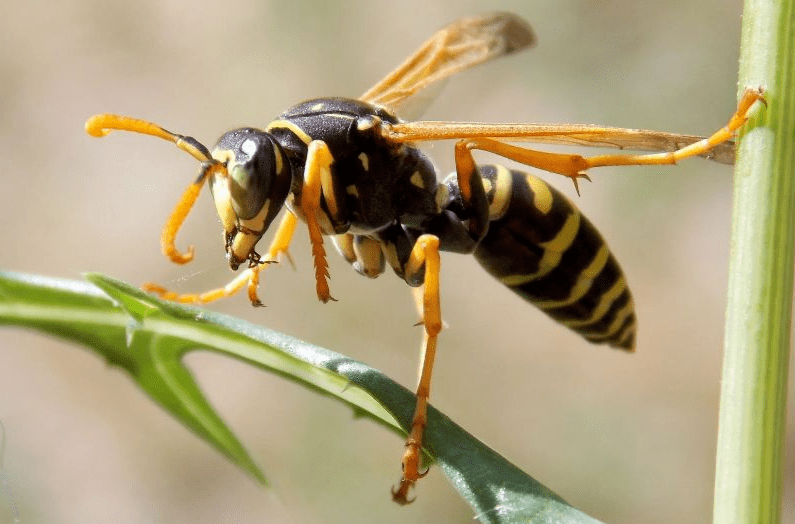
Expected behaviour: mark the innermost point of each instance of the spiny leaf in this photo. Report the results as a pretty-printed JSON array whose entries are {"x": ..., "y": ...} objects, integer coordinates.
[{"x": 148, "y": 338}]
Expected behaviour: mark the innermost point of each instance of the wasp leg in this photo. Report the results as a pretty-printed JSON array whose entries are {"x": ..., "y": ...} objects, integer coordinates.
[
  {"x": 281, "y": 241},
  {"x": 574, "y": 166},
  {"x": 317, "y": 181},
  {"x": 473, "y": 194},
  {"x": 228, "y": 290},
  {"x": 250, "y": 276},
  {"x": 279, "y": 245},
  {"x": 424, "y": 254},
  {"x": 737, "y": 120}
]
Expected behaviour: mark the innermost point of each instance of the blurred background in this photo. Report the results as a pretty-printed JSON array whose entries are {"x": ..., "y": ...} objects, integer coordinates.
[{"x": 626, "y": 438}]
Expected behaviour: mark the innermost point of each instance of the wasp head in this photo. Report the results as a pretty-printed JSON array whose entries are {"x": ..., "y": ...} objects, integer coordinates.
[{"x": 250, "y": 191}]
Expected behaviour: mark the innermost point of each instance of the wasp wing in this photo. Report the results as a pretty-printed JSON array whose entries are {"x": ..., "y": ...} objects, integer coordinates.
[
  {"x": 564, "y": 134},
  {"x": 459, "y": 46}
]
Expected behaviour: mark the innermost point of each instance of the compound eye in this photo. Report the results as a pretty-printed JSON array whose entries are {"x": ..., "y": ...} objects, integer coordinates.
[
  {"x": 251, "y": 167},
  {"x": 251, "y": 176}
]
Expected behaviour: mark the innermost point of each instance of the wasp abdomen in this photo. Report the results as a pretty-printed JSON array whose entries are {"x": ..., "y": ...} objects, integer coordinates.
[{"x": 541, "y": 246}]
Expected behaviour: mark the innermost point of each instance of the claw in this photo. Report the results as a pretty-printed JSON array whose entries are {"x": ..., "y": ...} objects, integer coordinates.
[
  {"x": 400, "y": 495},
  {"x": 575, "y": 179}
]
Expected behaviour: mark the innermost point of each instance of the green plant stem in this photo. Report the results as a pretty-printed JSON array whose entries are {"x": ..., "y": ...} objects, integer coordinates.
[{"x": 748, "y": 487}]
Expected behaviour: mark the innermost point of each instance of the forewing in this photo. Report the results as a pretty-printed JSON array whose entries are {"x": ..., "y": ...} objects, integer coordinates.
[{"x": 459, "y": 46}]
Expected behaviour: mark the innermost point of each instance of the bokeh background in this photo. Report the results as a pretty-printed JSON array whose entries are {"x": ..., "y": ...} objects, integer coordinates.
[{"x": 627, "y": 438}]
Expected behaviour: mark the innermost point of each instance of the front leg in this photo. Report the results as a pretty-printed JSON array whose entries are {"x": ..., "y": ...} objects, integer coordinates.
[
  {"x": 249, "y": 278},
  {"x": 318, "y": 181}
]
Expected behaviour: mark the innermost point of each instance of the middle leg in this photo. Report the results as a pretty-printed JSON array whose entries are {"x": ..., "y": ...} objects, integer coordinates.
[{"x": 424, "y": 254}]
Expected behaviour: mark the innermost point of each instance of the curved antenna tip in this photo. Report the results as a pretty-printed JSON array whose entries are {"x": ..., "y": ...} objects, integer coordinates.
[{"x": 96, "y": 125}]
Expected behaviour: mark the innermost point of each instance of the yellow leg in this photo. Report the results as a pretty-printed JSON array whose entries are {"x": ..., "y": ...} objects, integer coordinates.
[
  {"x": 317, "y": 181},
  {"x": 425, "y": 253},
  {"x": 281, "y": 240},
  {"x": 250, "y": 276},
  {"x": 246, "y": 277},
  {"x": 738, "y": 119},
  {"x": 574, "y": 166},
  {"x": 473, "y": 194}
]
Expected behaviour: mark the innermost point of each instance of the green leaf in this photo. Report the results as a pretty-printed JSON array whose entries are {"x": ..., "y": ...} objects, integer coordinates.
[{"x": 148, "y": 338}]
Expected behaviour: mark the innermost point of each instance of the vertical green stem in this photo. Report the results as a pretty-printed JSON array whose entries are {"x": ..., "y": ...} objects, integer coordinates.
[{"x": 759, "y": 313}]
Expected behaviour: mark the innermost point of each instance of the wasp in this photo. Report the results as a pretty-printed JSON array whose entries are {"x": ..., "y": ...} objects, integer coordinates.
[{"x": 351, "y": 169}]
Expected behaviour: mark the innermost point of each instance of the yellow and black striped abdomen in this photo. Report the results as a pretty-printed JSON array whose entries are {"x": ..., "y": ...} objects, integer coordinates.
[{"x": 541, "y": 246}]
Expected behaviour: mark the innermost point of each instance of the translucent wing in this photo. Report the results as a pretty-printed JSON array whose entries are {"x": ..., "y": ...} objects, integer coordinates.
[
  {"x": 564, "y": 134},
  {"x": 459, "y": 46}
]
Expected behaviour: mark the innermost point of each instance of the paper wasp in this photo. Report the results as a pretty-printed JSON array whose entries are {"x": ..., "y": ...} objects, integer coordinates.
[{"x": 351, "y": 169}]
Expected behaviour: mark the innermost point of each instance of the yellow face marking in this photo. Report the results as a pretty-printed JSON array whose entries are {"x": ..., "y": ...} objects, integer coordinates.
[
  {"x": 249, "y": 233},
  {"x": 553, "y": 251},
  {"x": 294, "y": 129},
  {"x": 223, "y": 155},
  {"x": 604, "y": 304},
  {"x": 223, "y": 202},
  {"x": 583, "y": 284},
  {"x": 416, "y": 179},
  {"x": 503, "y": 188},
  {"x": 541, "y": 193},
  {"x": 277, "y": 155},
  {"x": 242, "y": 245},
  {"x": 365, "y": 160},
  {"x": 256, "y": 224}
]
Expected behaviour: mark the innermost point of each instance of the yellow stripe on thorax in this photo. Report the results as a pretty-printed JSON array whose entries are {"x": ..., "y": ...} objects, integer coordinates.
[{"x": 290, "y": 126}]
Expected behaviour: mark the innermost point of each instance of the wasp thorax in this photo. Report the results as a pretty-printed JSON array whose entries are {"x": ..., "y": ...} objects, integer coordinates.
[{"x": 251, "y": 191}]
